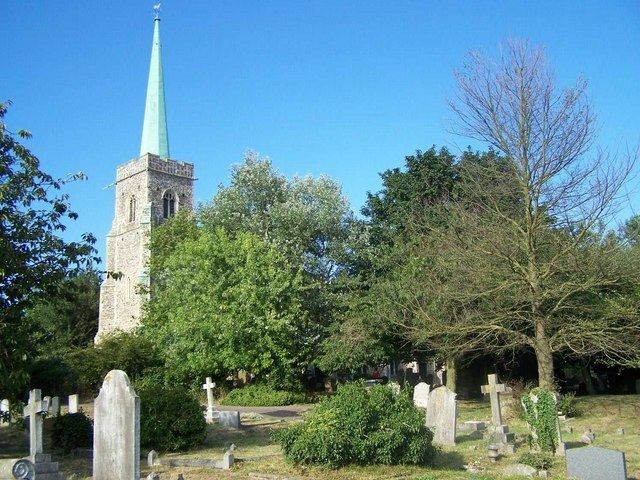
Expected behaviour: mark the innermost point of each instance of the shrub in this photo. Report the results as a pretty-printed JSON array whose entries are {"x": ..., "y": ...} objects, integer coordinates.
[
  {"x": 132, "y": 353},
  {"x": 262, "y": 396},
  {"x": 539, "y": 461},
  {"x": 568, "y": 405},
  {"x": 360, "y": 426},
  {"x": 73, "y": 430},
  {"x": 52, "y": 375},
  {"x": 542, "y": 418},
  {"x": 171, "y": 419}
]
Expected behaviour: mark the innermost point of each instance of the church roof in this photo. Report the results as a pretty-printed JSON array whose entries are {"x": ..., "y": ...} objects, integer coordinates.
[{"x": 155, "y": 137}]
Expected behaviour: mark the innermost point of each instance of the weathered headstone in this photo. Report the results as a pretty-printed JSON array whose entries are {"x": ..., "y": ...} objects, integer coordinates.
[
  {"x": 116, "y": 437},
  {"x": 421, "y": 394},
  {"x": 588, "y": 437},
  {"x": 559, "y": 444},
  {"x": 55, "y": 406},
  {"x": 442, "y": 412},
  {"x": 5, "y": 415},
  {"x": 152, "y": 459},
  {"x": 35, "y": 410},
  {"x": 211, "y": 409},
  {"x": 229, "y": 419},
  {"x": 47, "y": 400},
  {"x": 73, "y": 403},
  {"x": 228, "y": 458},
  {"x": 596, "y": 463}
]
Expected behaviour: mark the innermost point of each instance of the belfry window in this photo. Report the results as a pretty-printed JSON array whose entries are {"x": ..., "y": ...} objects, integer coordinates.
[
  {"x": 132, "y": 209},
  {"x": 168, "y": 205}
]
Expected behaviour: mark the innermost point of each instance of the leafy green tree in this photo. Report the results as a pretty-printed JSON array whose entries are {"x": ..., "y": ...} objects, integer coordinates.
[
  {"x": 223, "y": 303},
  {"x": 69, "y": 318},
  {"x": 34, "y": 259}
]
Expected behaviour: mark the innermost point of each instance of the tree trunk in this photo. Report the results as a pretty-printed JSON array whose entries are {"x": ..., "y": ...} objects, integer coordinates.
[
  {"x": 585, "y": 373},
  {"x": 544, "y": 356},
  {"x": 451, "y": 367}
]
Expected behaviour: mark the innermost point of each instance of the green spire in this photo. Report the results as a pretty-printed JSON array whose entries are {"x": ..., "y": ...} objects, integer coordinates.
[{"x": 155, "y": 138}]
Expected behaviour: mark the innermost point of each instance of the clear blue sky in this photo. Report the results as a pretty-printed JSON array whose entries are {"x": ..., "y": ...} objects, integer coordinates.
[{"x": 345, "y": 88}]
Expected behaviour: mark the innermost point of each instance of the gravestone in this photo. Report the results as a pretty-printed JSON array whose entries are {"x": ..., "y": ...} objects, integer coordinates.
[
  {"x": 228, "y": 458},
  {"x": 442, "y": 412},
  {"x": 211, "y": 409},
  {"x": 35, "y": 410},
  {"x": 55, "y": 406},
  {"x": 560, "y": 445},
  {"x": 596, "y": 463},
  {"x": 73, "y": 403},
  {"x": 229, "y": 419},
  {"x": 5, "y": 415},
  {"x": 421, "y": 394},
  {"x": 395, "y": 387},
  {"x": 116, "y": 435},
  {"x": 152, "y": 459},
  {"x": 18, "y": 468},
  {"x": 501, "y": 432}
]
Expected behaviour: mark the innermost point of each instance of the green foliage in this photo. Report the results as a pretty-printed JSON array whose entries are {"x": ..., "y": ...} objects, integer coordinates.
[
  {"x": 52, "y": 375},
  {"x": 539, "y": 461},
  {"x": 568, "y": 405},
  {"x": 542, "y": 418},
  {"x": 73, "y": 430},
  {"x": 171, "y": 418},
  {"x": 34, "y": 259},
  {"x": 130, "y": 352},
  {"x": 69, "y": 318},
  {"x": 223, "y": 304},
  {"x": 262, "y": 395},
  {"x": 362, "y": 427}
]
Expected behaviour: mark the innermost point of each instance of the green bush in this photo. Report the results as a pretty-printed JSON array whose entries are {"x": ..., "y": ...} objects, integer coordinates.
[
  {"x": 262, "y": 396},
  {"x": 568, "y": 405},
  {"x": 132, "y": 353},
  {"x": 52, "y": 375},
  {"x": 73, "y": 430},
  {"x": 171, "y": 419},
  {"x": 539, "y": 461},
  {"x": 542, "y": 419},
  {"x": 362, "y": 427}
]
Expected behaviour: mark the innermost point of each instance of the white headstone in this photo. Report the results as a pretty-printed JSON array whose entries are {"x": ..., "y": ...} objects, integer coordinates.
[
  {"x": 47, "y": 400},
  {"x": 4, "y": 411},
  {"x": 211, "y": 409},
  {"x": 73, "y": 403},
  {"x": 421, "y": 395},
  {"x": 442, "y": 413},
  {"x": 116, "y": 435},
  {"x": 229, "y": 419},
  {"x": 395, "y": 387}
]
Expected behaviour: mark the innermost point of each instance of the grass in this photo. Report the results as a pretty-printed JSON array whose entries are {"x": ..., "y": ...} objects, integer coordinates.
[{"x": 257, "y": 457}]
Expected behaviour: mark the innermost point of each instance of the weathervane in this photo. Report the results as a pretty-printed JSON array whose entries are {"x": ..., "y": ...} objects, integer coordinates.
[{"x": 156, "y": 10}]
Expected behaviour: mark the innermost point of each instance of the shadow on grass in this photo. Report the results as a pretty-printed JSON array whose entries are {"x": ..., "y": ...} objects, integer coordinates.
[
  {"x": 470, "y": 437},
  {"x": 448, "y": 460}
]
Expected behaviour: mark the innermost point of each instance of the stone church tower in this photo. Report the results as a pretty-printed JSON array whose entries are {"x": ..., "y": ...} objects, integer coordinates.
[{"x": 148, "y": 190}]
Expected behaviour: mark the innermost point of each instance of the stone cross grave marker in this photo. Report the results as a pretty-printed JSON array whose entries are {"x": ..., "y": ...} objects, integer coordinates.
[
  {"x": 116, "y": 437},
  {"x": 421, "y": 394},
  {"x": 211, "y": 409},
  {"x": 560, "y": 447},
  {"x": 73, "y": 403},
  {"x": 596, "y": 463},
  {"x": 35, "y": 410},
  {"x": 494, "y": 389},
  {"x": 442, "y": 413}
]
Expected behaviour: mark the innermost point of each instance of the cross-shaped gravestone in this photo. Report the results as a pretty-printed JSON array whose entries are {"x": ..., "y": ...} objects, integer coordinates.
[
  {"x": 494, "y": 389},
  {"x": 35, "y": 409},
  {"x": 209, "y": 386}
]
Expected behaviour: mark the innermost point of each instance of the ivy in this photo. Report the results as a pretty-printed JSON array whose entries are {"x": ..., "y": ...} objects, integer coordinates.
[{"x": 540, "y": 413}]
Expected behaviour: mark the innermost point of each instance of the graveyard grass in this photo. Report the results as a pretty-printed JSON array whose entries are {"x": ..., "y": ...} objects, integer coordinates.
[{"x": 258, "y": 454}]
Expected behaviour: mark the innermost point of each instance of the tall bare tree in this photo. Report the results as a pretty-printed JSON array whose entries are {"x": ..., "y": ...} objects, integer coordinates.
[{"x": 524, "y": 262}]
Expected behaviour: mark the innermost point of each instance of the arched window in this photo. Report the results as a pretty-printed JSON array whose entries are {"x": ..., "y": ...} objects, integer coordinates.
[
  {"x": 168, "y": 204},
  {"x": 132, "y": 208}
]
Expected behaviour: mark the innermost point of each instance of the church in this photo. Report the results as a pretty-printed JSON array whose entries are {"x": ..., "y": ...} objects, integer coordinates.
[{"x": 148, "y": 190}]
